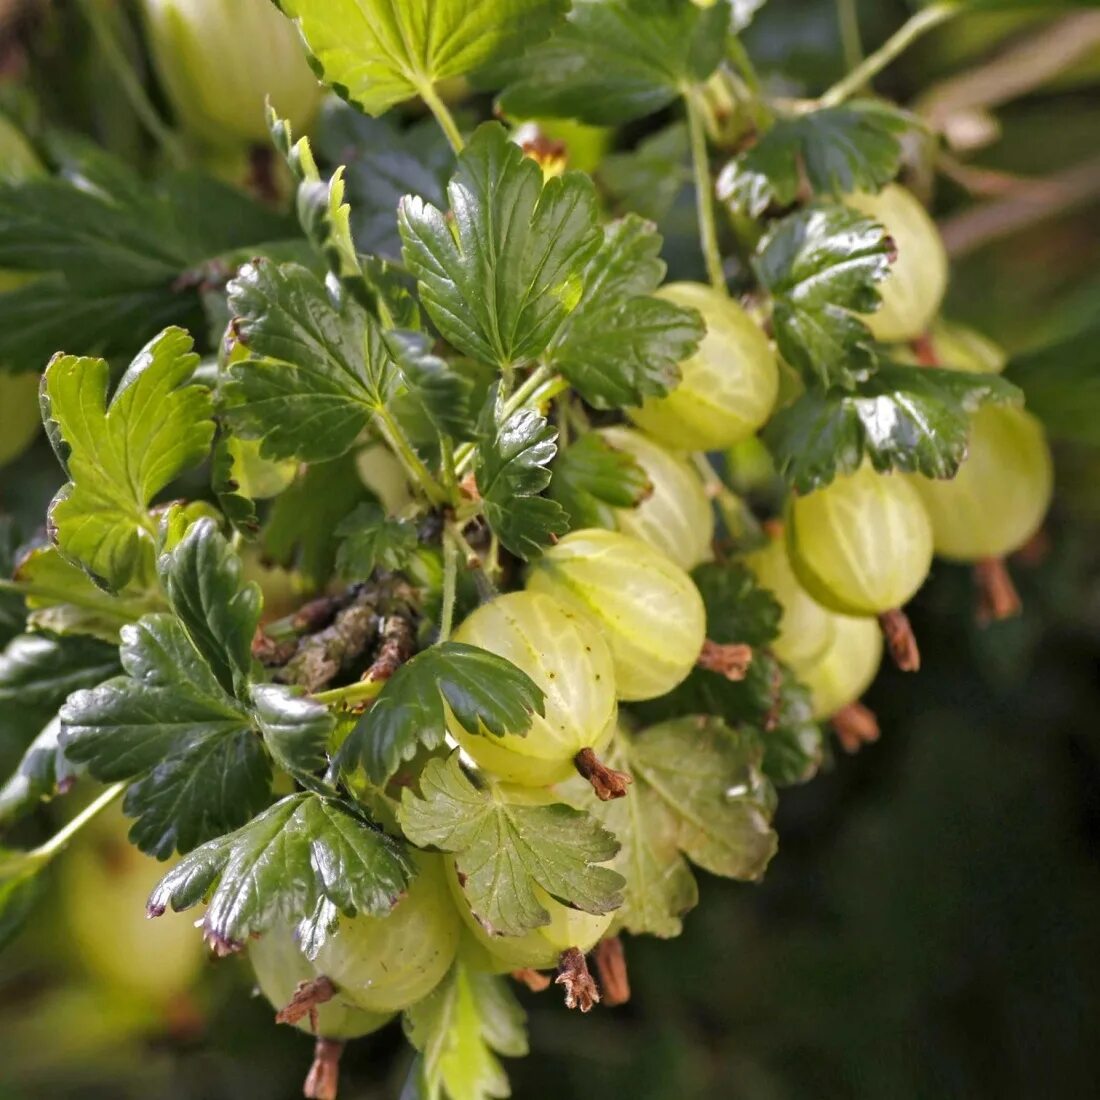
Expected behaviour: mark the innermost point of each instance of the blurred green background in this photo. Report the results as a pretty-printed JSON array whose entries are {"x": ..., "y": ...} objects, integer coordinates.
[{"x": 931, "y": 925}]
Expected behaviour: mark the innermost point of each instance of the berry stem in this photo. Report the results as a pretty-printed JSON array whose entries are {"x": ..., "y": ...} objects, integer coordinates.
[
  {"x": 450, "y": 584},
  {"x": 535, "y": 981},
  {"x": 997, "y": 596},
  {"x": 918, "y": 25},
  {"x": 900, "y": 639},
  {"x": 606, "y": 782},
  {"x": 323, "y": 1079},
  {"x": 855, "y": 725},
  {"x": 704, "y": 192},
  {"x": 581, "y": 990},
  {"x": 443, "y": 116},
  {"x": 611, "y": 967},
  {"x": 847, "y": 15}
]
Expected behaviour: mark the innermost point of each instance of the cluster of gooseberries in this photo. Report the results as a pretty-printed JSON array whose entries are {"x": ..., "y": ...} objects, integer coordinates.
[{"x": 610, "y": 616}]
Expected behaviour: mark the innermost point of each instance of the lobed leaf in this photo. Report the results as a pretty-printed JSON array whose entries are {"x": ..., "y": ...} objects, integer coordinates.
[
  {"x": 592, "y": 479},
  {"x": 505, "y": 849},
  {"x": 370, "y": 539},
  {"x": 299, "y": 853},
  {"x": 486, "y": 694}
]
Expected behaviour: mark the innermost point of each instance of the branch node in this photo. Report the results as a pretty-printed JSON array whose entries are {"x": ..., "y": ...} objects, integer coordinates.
[
  {"x": 580, "y": 987},
  {"x": 606, "y": 782},
  {"x": 611, "y": 967},
  {"x": 900, "y": 639}
]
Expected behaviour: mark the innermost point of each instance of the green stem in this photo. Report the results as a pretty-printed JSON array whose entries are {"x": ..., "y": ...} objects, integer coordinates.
[
  {"x": 45, "y": 852},
  {"x": 444, "y": 117},
  {"x": 739, "y": 520},
  {"x": 414, "y": 467},
  {"x": 450, "y": 582},
  {"x": 740, "y": 60},
  {"x": 362, "y": 691},
  {"x": 847, "y": 14},
  {"x": 704, "y": 193},
  {"x": 918, "y": 25},
  {"x": 131, "y": 85}
]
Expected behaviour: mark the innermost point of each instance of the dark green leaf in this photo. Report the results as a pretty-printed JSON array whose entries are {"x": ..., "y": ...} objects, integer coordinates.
[
  {"x": 513, "y": 467},
  {"x": 383, "y": 164},
  {"x": 821, "y": 265},
  {"x": 648, "y": 179},
  {"x": 377, "y": 53},
  {"x": 202, "y": 577},
  {"x": 39, "y": 671},
  {"x": 503, "y": 849},
  {"x": 484, "y": 692},
  {"x": 738, "y": 608},
  {"x": 500, "y": 274},
  {"x": 301, "y": 529},
  {"x": 592, "y": 479},
  {"x": 276, "y": 869},
  {"x": 854, "y": 147},
  {"x": 119, "y": 456},
  {"x": 237, "y": 506},
  {"x": 295, "y": 729},
  {"x": 914, "y": 419},
  {"x": 615, "y": 60},
  {"x": 460, "y": 1028},
  {"x": 21, "y": 886},
  {"x": 620, "y": 346},
  {"x": 435, "y": 399},
  {"x": 370, "y": 540},
  {"x": 38, "y": 777}
]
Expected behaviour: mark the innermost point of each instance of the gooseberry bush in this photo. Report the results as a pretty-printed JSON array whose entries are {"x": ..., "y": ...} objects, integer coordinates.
[{"x": 438, "y": 587}]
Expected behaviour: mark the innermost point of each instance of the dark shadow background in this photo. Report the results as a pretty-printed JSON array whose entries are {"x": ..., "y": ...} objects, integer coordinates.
[{"x": 931, "y": 924}]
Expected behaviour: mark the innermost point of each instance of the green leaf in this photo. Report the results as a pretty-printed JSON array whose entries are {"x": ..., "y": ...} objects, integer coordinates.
[
  {"x": 120, "y": 456},
  {"x": 38, "y": 777},
  {"x": 169, "y": 724},
  {"x": 484, "y": 692},
  {"x": 316, "y": 372},
  {"x": 370, "y": 540},
  {"x": 593, "y": 478},
  {"x": 614, "y": 60},
  {"x": 296, "y": 730},
  {"x": 300, "y": 852},
  {"x": 820, "y": 266},
  {"x": 854, "y": 147},
  {"x": 620, "y": 345},
  {"x": 914, "y": 419},
  {"x": 39, "y": 671},
  {"x": 512, "y": 468},
  {"x": 459, "y": 1029},
  {"x": 698, "y": 793},
  {"x": 384, "y": 162},
  {"x": 301, "y": 529},
  {"x": 62, "y": 599},
  {"x": 738, "y": 608},
  {"x": 500, "y": 274},
  {"x": 648, "y": 179},
  {"x": 504, "y": 849},
  {"x": 120, "y": 258},
  {"x": 234, "y": 502},
  {"x": 377, "y": 53},
  {"x": 435, "y": 399},
  {"x": 202, "y": 577}
]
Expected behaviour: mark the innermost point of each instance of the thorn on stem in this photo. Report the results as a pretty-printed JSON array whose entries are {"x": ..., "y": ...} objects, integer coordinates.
[
  {"x": 731, "y": 660},
  {"x": 606, "y": 782},
  {"x": 323, "y": 1079},
  {"x": 580, "y": 988},
  {"x": 900, "y": 639},
  {"x": 855, "y": 725},
  {"x": 997, "y": 595},
  {"x": 611, "y": 967},
  {"x": 308, "y": 996},
  {"x": 533, "y": 979}
]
